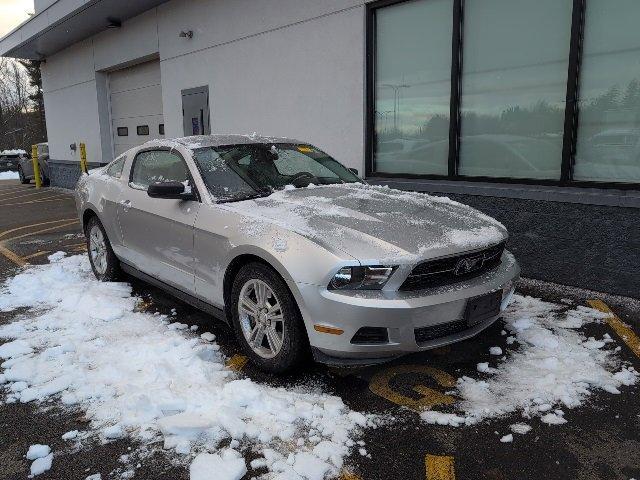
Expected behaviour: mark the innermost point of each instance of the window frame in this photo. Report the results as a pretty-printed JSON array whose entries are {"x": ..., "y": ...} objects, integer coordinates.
[
  {"x": 571, "y": 117},
  {"x": 173, "y": 151}
]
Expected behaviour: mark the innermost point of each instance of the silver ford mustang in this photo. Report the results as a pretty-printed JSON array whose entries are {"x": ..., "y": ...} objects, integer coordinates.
[{"x": 294, "y": 251}]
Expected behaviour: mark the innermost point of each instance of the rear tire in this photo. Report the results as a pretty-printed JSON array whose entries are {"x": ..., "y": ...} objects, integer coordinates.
[
  {"x": 274, "y": 336},
  {"x": 104, "y": 263},
  {"x": 23, "y": 179}
]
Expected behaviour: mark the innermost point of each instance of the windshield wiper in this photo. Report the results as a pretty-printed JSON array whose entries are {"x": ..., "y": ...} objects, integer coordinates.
[{"x": 249, "y": 196}]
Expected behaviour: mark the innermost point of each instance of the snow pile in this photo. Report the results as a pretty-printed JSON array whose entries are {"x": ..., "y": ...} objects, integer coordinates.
[
  {"x": 41, "y": 465},
  {"x": 38, "y": 451},
  {"x": 42, "y": 458},
  {"x": 553, "y": 367},
  {"x": 9, "y": 175},
  {"x": 136, "y": 375}
]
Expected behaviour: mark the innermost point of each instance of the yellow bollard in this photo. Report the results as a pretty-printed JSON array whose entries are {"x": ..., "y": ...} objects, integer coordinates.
[
  {"x": 83, "y": 158},
  {"x": 36, "y": 165}
]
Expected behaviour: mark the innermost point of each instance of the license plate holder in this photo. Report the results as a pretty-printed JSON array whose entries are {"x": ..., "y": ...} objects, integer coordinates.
[{"x": 482, "y": 308}]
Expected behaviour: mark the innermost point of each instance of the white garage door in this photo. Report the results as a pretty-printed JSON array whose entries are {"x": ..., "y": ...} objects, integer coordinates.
[{"x": 136, "y": 105}]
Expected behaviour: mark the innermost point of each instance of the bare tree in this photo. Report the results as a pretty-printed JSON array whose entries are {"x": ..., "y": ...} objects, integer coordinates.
[{"x": 20, "y": 112}]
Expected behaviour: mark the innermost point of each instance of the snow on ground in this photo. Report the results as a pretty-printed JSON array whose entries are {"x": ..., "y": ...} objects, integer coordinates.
[
  {"x": 134, "y": 374},
  {"x": 38, "y": 451},
  {"x": 551, "y": 365},
  {"x": 9, "y": 175}
]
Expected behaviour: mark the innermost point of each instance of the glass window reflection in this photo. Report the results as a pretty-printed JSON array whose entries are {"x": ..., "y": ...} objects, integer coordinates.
[
  {"x": 608, "y": 141},
  {"x": 514, "y": 79},
  {"x": 412, "y": 87}
]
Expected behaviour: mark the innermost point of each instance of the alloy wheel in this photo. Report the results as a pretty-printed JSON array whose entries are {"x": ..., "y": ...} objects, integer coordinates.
[
  {"x": 98, "y": 249},
  {"x": 261, "y": 318}
]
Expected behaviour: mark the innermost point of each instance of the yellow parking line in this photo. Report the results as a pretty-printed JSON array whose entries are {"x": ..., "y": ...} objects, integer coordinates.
[
  {"x": 18, "y": 260},
  {"x": 623, "y": 330},
  {"x": 15, "y": 188},
  {"x": 37, "y": 254},
  {"x": 14, "y": 257},
  {"x": 42, "y": 200},
  {"x": 439, "y": 467},
  {"x": 380, "y": 384},
  {"x": 13, "y": 196},
  {"x": 237, "y": 362},
  {"x": 7, "y": 232},
  {"x": 44, "y": 230},
  {"x": 349, "y": 476}
]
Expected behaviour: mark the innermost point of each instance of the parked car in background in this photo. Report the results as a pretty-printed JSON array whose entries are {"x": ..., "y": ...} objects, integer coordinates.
[
  {"x": 294, "y": 251},
  {"x": 25, "y": 168},
  {"x": 10, "y": 159}
]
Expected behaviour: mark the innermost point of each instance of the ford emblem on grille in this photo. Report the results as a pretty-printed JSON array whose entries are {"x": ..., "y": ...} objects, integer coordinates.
[{"x": 468, "y": 265}]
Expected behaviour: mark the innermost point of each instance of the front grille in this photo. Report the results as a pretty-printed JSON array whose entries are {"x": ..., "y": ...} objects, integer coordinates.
[
  {"x": 425, "y": 334},
  {"x": 450, "y": 270}
]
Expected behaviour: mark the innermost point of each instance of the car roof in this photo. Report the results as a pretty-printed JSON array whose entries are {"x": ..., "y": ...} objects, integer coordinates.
[{"x": 203, "y": 141}]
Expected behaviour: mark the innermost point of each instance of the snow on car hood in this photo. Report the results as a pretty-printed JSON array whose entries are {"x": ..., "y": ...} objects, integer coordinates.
[{"x": 377, "y": 223}]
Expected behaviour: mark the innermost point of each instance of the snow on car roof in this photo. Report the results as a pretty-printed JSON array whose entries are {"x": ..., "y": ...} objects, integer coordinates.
[
  {"x": 203, "y": 141},
  {"x": 13, "y": 152}
]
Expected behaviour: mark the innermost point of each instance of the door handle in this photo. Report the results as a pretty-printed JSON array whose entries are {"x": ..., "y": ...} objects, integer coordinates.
[{"x": 126, "y": 205}]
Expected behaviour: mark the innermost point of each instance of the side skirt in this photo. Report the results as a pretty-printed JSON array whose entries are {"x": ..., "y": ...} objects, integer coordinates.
[{"x": 218, "y": 313}]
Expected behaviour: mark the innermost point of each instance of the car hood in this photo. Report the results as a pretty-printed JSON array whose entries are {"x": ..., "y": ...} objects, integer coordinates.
[{"x": 376, "y": 224}]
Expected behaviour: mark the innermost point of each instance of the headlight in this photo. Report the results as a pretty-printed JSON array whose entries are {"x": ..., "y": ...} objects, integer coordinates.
[{"x": 361, "y": 278}]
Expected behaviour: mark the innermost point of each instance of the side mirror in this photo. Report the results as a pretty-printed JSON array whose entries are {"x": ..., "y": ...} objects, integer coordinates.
[
  {"x": 354, "y": 171},
  {"x": 170, "y": 190}
]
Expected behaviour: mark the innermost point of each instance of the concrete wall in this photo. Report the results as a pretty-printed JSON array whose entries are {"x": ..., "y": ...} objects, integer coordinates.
[
  {"x": 297, "y": 73},
  {"x": 243, "y": 52},
  {"x": 76, "y": 92}
]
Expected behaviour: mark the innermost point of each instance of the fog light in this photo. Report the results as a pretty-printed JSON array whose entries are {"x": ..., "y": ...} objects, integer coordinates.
[{"x": 369, "y": 335}]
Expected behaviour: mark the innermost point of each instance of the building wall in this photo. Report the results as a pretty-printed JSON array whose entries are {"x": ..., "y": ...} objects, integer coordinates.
[
  {"x": 590, "y": 246},
  {"x": 76, "y": 91},
  {"x": 297, "y": 74},
  {"x": 242, "y": 51}
]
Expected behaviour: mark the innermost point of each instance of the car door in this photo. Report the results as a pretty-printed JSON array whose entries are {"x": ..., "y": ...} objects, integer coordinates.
[{"x": 158, "y": 233}]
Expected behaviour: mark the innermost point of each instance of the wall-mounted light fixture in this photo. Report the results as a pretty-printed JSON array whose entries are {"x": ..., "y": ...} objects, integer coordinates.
[
  {"x": 113, "y": 22},
  {"x": 186, "y": 34}
]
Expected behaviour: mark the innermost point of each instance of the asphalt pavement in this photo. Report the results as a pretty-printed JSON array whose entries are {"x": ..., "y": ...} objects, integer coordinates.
[{"x": 600, "y": 440}]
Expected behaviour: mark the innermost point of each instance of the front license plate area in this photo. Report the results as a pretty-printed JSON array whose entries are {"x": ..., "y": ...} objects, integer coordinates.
[{"x": 482, "y": 308}]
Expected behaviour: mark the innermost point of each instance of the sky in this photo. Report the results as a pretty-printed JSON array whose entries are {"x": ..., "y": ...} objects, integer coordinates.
[{"x": 12, "y": 13}]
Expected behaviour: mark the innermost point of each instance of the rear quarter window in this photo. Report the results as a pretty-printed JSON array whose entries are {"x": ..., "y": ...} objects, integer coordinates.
[{"x": 114, "y": 169}]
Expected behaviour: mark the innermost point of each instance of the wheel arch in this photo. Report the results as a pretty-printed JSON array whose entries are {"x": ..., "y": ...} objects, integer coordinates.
[
  {"x": 87, "y": 214},
  {"x": 244, "y": 258}
]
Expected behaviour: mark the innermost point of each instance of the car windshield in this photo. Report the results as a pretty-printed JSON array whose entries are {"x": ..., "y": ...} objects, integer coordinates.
[{"x": 239, "y": 172}]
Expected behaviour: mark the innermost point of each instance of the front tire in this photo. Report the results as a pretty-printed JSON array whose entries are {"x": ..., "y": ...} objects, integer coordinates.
[
  {"x": 266, "y": 319},
  {"x": 23, "y": 179},
  {"x": 104, "y": 263}
]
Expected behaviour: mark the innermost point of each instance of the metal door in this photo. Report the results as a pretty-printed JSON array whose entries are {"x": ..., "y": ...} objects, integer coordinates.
[{"x": 195, "y": 111}]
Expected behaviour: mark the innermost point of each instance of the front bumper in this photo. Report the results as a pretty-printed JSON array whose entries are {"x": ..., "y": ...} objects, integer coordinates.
[{"x": 401, "y": 313}]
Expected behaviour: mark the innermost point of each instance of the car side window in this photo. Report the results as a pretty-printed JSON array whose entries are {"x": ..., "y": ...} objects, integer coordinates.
[
  {"x": 115, "y": 168},
  {"x": 157, "y": 166}
]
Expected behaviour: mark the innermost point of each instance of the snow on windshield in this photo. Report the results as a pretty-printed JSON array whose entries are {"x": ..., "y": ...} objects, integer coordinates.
[{"x": 139, "y": 374}]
